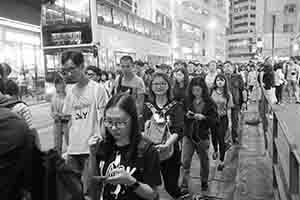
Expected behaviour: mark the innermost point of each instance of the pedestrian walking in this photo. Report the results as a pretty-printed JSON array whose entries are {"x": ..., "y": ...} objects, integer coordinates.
[
  {"x": 223, "y": 98},
  {"x": 201, "y": 117},
  {"x": 164, "y": 112},
  {"x": 124, "y": 163},
  {"x": 84, "y": 102}
]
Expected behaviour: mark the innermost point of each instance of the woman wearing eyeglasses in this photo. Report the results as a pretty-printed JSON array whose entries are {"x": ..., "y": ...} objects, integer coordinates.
[
  {"x": 163, "y": 109},
  {"x": 124, "y": 165}
]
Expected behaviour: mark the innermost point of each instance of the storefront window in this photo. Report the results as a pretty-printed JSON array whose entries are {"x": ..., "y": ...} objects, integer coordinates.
[
  {"x": 66, "y": 11},
  {"x": 130, "y": 22},
  {"x": 147, "y": 26},
  {"x": 139, "y": 26},
  {"x": 104, "y": 13},
  {"x": 120, "y": 18},
  {"x": 112, "y": 15}
]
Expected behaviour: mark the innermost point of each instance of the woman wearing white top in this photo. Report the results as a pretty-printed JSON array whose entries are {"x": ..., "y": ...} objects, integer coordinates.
[{"x": 279, "y": 81}]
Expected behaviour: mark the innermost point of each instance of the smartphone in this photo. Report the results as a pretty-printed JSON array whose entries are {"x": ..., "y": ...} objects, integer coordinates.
[
  {"x": 191, "y": 114},
  {"x": 99, "y": 178}
]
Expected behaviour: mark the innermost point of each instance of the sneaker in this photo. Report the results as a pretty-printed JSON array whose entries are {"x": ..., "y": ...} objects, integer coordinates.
[
  {"x": 235, "y": 141},
  {"x": 184, "y": 190},
  {"x": 184, "y": 195},
  {"x": 215, "y": 155},
  {"x": 297, "y": 102},
  {"x": 220, "y": 166},
  {"x": 227, "y": 146},
  {"x": 204, "y": 186}
]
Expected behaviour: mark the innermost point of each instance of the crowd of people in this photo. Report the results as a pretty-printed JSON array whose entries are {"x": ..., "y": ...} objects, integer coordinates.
[{"x": 128, "y": 131}]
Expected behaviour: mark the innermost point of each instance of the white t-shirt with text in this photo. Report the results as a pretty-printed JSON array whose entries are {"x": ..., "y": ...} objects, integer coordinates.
[{"x": 86, "y": 107}]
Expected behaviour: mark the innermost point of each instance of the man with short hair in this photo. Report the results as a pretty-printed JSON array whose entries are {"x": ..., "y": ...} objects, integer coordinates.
[
  {"x": 239, "y": 94},
  {"x": 128, "y": 81},
  {"x": 84, "y": 102}
]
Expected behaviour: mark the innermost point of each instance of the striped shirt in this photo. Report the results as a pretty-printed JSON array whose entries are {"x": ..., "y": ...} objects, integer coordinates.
[{"x": 23, "y": 111}]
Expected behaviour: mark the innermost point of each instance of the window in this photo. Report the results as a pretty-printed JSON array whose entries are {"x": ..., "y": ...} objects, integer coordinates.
[
  {"x": 241, "y": 25},
  {"x": 239, "y": 32},
  {"x": 253, "y": 7},
  {"x": 240, "y": 1},
  {"x": 163, "y": 20},
  {"x": 252, "y": 15},
  {"x": 244, "y": 8},
  {"x": 66, "y": 12},
  {"x": 287, "y": 28},
  {"x": 119, "y": 18},
  {"x": 252, "y": 23},
  {"x": 290, "y": 9},
  {"x": 241, "y": 17},
  {"x": 203, "y": 36},
  {"x": 126, "y": 4},
  {"x": 203, "y": 52},
  {"x": 104, "y": 13},
  {"x": 159, "y": 18}
]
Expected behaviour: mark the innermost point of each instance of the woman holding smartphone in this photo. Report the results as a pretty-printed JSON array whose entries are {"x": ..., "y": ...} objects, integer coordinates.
[
  {"x": 201, "y": 117},
  {"x": 124, "y": 165}
]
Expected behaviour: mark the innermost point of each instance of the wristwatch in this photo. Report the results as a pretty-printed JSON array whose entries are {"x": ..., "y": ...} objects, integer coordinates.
[{"x": 134, "y": 186}]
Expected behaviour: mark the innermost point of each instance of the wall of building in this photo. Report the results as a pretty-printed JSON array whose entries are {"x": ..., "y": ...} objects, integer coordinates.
[
  {"x": 209, "y": 22},
  {"x": 20, "y": 37},
  {"x": 242, "y": 33},
  {"x": 285, "y": 27},
  {"x": 19, "y": 11}
]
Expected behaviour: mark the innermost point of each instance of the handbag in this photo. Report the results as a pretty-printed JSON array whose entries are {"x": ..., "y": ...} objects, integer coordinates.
[{"x": 158, "y": 130}]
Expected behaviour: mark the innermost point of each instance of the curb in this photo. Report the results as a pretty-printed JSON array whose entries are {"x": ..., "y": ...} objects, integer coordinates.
[{"x": 237, "y": 176}]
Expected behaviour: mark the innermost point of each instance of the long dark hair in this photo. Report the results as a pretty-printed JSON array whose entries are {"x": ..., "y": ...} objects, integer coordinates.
[
  {"x": 198, "y": 81},
  {"x": 226, "y": 88},
  {"x": 166, "y": 78},
  {"x": 127, "y": 103},
  {"x": 186, "y": 77}
]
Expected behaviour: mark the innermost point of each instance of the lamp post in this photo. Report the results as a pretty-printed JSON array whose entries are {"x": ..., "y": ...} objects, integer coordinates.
[{"x": 273, "y": 33}]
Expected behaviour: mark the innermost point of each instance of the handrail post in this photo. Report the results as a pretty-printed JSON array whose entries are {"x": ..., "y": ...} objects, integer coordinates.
[
  {"x": 275, "y": 136},
  {"x": 294, "y": 174}
]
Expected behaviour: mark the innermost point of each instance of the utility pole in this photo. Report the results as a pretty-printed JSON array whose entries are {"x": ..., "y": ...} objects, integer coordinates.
[{"x": 273, "y": 33}]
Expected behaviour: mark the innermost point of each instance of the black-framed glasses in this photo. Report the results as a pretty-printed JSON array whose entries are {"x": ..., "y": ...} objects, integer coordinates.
[
  {"x": 160, "y": 84},
  {"x": 118, "y": 124},
  {"x": 90, "y": 74},
  {"x": 125, "y": 66}
]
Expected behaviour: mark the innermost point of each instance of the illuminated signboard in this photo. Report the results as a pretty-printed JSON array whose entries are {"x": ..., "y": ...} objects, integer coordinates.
[{"x": 67, "y": 38}]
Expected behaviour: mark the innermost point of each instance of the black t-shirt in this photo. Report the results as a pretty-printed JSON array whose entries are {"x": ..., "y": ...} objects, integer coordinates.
[{"x": 148, "y": 174}]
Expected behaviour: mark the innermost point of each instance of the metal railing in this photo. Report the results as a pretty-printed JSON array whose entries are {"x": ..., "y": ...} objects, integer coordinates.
[{"x": 283, "y": 152}]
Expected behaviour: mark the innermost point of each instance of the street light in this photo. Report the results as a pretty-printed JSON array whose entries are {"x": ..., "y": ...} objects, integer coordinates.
[
  {"x": 212, "y": 24},
  {"x": 295, "y": 47}
]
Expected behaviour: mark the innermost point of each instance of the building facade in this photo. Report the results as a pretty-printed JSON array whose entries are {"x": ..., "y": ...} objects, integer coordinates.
[
  {"x": 200, "y": 27},
  {"x": 241, "y": 34},
  {"x": 284, "y": 14},
  {"x": 20, "y": 38}
]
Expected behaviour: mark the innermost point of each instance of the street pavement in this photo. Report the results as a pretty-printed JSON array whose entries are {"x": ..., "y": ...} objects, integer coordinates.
[
  {"x": 254, "y": 173},
  {"x": 246, "y": 176}
]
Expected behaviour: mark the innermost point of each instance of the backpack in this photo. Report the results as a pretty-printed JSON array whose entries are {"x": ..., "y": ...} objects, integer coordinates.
[
  {"x": 157, "y": 130},
  {"x": 54, "y": 179}
]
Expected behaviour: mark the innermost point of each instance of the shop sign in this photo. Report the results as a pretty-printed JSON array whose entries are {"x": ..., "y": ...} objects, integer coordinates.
[{"x": 66, "y": 38}]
